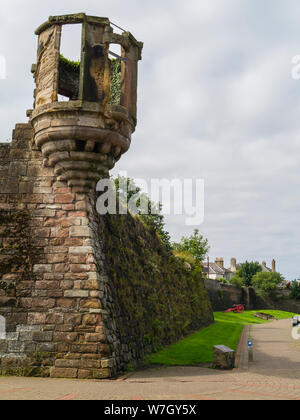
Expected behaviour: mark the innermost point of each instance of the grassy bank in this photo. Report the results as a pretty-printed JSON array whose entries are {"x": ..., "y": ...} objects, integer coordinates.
[{"x": 198, "y": 348}]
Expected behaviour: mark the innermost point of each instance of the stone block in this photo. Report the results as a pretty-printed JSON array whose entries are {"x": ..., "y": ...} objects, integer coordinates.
[
  {"x": 80, "y": 231},
  {"x": 43, "y": 336},
  {"x": 85, "y": 374},
  {"x": 36, "y": 318},
  {"x": 64, "y": 198},
  {"x": 107, "y": 363},
  {"x": 54, "y": 318},
  {"x": 67, "y": 363},
  {"x": 101, "y": 373},
  {"x": 75, "y": 293},
  {"x": 42, "y": 268},
  {"x": 85, "y": 348},
  {"x": 15, "y": 347},
  {"x": 46, "y": 347},
  {"x": 224, "y": 357},
  {"x": 65, "y": 337},
  {"x": 3, "y": 346},
  {"x": 63, "y": 373},
  {"x": 90, "y": 364}
]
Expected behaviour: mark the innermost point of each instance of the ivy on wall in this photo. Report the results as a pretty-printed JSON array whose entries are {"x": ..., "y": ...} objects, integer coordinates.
[
  {"x": 157, "y": 299},
  {"x": 115, "y": 87},
  {"x": 73, "y": 67},
  {"x": 69, "y": 64}
]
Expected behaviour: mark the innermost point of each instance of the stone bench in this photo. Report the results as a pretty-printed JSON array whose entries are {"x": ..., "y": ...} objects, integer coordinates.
[
  {"x": 263, "y": 316},
  {"x": 224, "y": 357}
]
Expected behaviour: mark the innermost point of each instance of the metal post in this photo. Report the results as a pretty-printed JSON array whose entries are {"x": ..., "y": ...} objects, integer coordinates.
[{"x": 250, "y": 351}]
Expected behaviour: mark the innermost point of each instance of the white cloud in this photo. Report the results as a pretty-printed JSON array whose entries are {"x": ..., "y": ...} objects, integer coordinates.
[{"x": 216, "y": 101}]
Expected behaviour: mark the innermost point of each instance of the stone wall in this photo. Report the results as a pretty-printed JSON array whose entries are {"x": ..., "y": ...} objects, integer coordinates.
[
  {"x": 82, "y": 295},
  {"x": 280, "y": 302},
  {"x": 223, "y": 296}
]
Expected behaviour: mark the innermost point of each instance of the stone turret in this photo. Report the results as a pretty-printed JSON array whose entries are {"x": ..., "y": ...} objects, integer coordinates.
[{"x": 83, "y": 138}]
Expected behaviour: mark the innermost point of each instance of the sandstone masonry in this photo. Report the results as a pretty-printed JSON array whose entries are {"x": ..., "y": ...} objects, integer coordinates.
[{"x": 82, "y": 295}]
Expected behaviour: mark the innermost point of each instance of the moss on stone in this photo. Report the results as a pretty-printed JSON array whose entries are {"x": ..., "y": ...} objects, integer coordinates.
[
  {"x": 157, "y": 298},
  {"x": 70, "y": 66},
  {"x": 116, "y": 77},
  {"x": 17, "y": 252}
]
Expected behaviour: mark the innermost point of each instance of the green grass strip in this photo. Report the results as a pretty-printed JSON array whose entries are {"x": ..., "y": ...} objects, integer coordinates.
[{"x": 198, "y": 348}]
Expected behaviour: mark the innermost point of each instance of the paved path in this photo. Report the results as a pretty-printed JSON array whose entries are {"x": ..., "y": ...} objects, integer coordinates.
[{"x": 274, "y": 375}]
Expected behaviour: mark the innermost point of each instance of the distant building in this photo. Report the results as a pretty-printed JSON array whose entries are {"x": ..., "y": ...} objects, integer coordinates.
[{"x": 217, "y": 271}]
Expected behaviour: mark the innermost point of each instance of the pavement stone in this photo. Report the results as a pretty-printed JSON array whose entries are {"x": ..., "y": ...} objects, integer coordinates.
[{"x": 273, "y": 375}]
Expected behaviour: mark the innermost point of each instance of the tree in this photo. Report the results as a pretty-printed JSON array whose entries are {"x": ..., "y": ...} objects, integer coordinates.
[
  {"x": 237, "y": 281},
  {"x": 267, "y": 282},
  {"x": 147, "y": 211},
  {"x": 196, "y": 245},
  {"x": 247, "y": 271},
  {"x": 295, "y": 290}
]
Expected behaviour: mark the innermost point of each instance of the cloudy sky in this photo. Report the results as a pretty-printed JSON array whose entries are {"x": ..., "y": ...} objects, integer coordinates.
[{"x": 216, "y": 101}]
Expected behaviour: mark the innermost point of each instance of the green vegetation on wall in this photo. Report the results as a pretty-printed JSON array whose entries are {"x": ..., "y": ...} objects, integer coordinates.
[
  {"x": 69, "y": 64},
  {"x": 73, "y": 67},
  {"x": 148, "y": 212},
  {"x": 157, "y": 298},
  {"x": 116, "y": 76},
  {"x": 16, "y": 253},
  {"x": 295, "y": 290}
]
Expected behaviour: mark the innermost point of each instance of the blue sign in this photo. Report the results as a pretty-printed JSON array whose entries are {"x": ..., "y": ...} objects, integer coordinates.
[{"x": 250, "y": 344}]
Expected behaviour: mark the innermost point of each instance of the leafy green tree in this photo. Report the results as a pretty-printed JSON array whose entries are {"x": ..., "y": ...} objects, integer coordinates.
[
  {"x": 237, "y": 281},
  {"x": 267, "y": 282},
  {"x": 247, "y": 271},
  {"x": 295, "y": 290},
  {"x": 196, "y": 245},
  {"x": 148, "y": 211},
  {"x": 223, "y": 280}
]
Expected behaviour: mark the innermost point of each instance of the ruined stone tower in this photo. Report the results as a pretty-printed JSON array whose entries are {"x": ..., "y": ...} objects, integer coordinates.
[
  {"x": 82, "y": 295},
  {"x": 82, "y": 139}
]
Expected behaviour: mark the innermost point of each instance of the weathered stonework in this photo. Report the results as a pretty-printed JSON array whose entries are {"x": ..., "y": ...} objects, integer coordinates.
[
  {"x": 82, "y": 295},
  {"x": 83, "y": 139}
]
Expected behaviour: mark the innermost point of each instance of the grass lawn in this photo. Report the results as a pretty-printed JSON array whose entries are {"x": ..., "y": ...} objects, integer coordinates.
[{"x": 198, "y": 348}]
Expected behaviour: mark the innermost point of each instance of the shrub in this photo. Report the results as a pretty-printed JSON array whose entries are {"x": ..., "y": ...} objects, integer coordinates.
[
  {"x": 295, "y": 290},
  {"x": 268, "y": 282},
  {"x": 196, "y": 245},
  {"x": 237, "y": 281},
  {"x": 247, "y": 271},
  {"x": 186, "y": 256}
]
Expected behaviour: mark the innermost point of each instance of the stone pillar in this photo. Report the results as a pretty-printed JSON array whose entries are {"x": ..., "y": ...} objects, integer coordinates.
[{"x": 233, "y": 265}]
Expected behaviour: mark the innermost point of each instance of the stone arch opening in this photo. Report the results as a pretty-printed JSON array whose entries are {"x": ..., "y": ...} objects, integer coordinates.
[{"x": 69, "y": 62}]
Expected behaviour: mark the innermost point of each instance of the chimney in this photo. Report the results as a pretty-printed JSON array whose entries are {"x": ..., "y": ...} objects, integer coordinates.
[
  {"x": 220, "y": 262},
  {"x": 233, "y": 266},
  {"x": 274, "y": 266}
]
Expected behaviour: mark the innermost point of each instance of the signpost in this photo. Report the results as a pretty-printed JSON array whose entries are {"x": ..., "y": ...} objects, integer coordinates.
[{"x": 250, "y": 351}]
